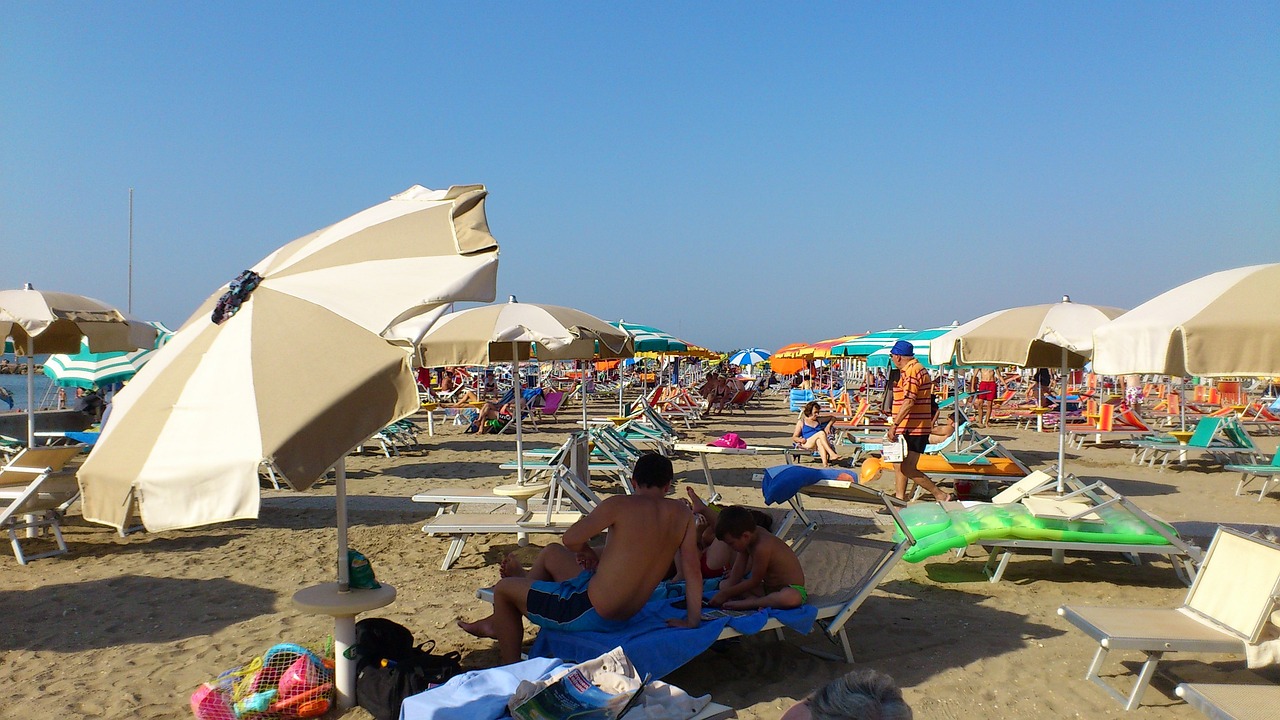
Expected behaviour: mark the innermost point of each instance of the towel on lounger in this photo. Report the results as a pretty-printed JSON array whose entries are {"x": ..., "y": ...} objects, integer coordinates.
[
  {"x": 782, "y": 482},
  {"x": 654, "y": 647}
]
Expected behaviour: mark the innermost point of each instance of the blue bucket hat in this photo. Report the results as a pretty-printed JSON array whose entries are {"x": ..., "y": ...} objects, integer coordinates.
[{"x": 903, "y": 348}]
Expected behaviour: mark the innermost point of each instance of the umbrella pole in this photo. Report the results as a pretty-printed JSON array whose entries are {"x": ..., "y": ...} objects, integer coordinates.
[
  {"x": 1062, "y": 424},
  {"x": 31, "y": 393},
  {"x": 340, "y": 491},
  {"x": 955, "y": 398},
  {"x": 515, "y": 374},
  {"x": 582, "y": 383}
]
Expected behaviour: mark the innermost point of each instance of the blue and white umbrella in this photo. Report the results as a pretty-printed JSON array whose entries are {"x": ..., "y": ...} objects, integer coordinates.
[{"x": 750, "y": 356}]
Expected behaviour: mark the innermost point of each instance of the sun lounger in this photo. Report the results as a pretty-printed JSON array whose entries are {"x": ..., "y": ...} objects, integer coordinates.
[
  {"x": 1232, "y": 702},
  {"x": 1226, "y": 609},
  {"x": 1220, "y": 437},
  {"x": 565, "y": 491},
  {"x": 703, "y": 451},
  {"x": 33, "y": 495},
  {"x": 1268, "y": 474}
]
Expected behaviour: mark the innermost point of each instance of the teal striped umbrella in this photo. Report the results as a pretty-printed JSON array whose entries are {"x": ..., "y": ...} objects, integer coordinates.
[
  {"x": 88, "y": 369},
  {"x": 651, "y": 339},
  {"x": 868, "y": 344},
  {"x": 920, "y": 340}
]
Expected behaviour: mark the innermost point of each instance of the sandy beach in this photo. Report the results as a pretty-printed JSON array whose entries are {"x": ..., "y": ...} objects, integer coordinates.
[{"x": 128, "y": 627}]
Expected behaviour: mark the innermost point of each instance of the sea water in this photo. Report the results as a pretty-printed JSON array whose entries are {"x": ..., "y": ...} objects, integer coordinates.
[{"x": 46, "y": 393}]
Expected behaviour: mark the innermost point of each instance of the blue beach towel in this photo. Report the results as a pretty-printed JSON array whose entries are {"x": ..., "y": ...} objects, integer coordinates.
[
  {"x": 781, "y": 482},
  {"x": 654, "y": 647}
]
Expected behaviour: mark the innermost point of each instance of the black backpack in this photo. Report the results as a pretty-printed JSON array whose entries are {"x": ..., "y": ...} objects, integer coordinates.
[{"x": 390, "y": 668}]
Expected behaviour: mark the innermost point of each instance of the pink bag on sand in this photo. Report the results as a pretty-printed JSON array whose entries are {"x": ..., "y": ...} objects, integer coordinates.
[{"x": 729, "y": 440}]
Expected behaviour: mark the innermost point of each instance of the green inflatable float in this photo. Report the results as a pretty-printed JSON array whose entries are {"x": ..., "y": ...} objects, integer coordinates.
[{"x": 938, "y": 530}]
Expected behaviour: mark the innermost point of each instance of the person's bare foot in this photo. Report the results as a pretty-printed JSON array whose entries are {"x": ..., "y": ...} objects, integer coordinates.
[
  {"x": 511, "y": 567},
  {"x": 479, "y": 628},
  {"x": 694, "y": 500}
]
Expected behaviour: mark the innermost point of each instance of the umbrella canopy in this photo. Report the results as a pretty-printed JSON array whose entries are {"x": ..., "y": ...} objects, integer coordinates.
[
  {"x": 920, "y": 340},
  {"x": 1223, "y": 324},
  {"x": 55, "y": 322},
  {"x": 484, "y": 335},
  {"x": 651, "y": 339},
  {"x": 88, "y": 369},
  {"x": 1029, "y": 336},
  {"x": 518, "y": 331},
  {"x": 1050, "y": 335},
  {"x": 866, "y": 344},
  {"x": 826, "y": 348},
  {"x": 750, "y": 356},
  {"x": 188, "y": 435}
]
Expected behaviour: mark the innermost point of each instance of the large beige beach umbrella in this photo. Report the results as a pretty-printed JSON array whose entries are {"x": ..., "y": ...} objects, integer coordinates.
[
  {"x": 1221, "y": 325},
  {"x": 514, "y": 332},
  {"x": 294, "y": 375},
  {"x": 1054, "y": 334},
  {"x": 54, "y": 322}
]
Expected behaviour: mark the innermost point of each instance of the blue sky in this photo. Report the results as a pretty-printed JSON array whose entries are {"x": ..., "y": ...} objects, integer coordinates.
[{"x": 736, "y": 173}]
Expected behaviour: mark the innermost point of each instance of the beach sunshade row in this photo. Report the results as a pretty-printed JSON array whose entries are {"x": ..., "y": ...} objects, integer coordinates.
[
  {"x": 1223, "y": 324},
  {"x": 299, "y": 375},
  {"x": 1028, "y": 336}
]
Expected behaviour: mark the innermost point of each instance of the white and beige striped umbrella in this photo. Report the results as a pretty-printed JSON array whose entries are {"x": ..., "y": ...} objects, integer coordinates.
[
  {"x": 55, "y": 322},
  {"x": 516, "y": 331},
  {"x": 299, "y": 375},
  {"x": 1220, "y": 325},
  {"x": 1029, "y": 336}
]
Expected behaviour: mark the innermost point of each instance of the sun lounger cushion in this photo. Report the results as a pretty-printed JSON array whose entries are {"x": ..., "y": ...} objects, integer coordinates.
[
  {"x": 938, "y": 529},
  {"x": 653, "y": 646},
  {"x": 782, "y": 482}
]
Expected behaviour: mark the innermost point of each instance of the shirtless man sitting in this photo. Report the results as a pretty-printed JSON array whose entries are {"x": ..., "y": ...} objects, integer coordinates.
[{"x": 570, "y": 587}]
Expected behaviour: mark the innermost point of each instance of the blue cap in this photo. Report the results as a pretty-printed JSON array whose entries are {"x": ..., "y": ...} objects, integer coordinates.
[{"x": 903, "y": 348}]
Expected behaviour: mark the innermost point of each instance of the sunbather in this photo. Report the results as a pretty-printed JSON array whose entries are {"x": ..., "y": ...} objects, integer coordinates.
[
  {"x": 715, "y": 555},
  {"x": 766, "y": 573},
  {"x": 572, "y": 588},
  {"x": 811, "y": 433}
]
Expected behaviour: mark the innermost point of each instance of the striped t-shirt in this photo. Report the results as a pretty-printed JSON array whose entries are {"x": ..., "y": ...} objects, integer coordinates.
[{"x": 914, "y": 387}]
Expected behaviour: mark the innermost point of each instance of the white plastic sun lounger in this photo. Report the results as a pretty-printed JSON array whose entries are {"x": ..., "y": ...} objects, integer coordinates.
[
  {"x": 1232, "y": 702},
  {"x": 33, "y": 495},
  {"x": 1227, "y": 608}
]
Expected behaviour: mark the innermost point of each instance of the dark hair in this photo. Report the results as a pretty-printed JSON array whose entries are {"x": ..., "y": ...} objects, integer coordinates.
[
  {"x": 653, "y": 470},
  {"x": 811, "y": 405},
  {"x": 734, "y": 520}
]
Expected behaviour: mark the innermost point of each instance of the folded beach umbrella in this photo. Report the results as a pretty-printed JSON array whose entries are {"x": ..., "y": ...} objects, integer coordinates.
[
  {"x": 1223, "y": 324},
  {"x": 55, "y": 322},
  {"x": 517, "y": 331},
  {"x": 1050, "y": 335},
  {"x": 750, "y": 356},
  {"x": 88, "y": 369}
]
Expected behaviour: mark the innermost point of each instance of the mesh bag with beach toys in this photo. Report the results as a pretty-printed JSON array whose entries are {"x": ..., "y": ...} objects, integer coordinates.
[{"x": 288, "y": 681}]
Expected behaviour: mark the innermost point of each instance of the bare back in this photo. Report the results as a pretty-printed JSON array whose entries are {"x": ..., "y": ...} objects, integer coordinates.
[
  {"x": 781, "y": 566},
  {"x": 644, "y": 534}
]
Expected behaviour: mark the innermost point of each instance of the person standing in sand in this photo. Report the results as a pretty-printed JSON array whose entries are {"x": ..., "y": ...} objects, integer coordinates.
[
  {"x": 570, "y": 587},
  {"x": 986, "y": 397},
  {"x": 912, "y": 419}
]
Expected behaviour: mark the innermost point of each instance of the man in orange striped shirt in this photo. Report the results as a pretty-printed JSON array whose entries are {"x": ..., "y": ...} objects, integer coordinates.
[{"x": 912, "y": 418}]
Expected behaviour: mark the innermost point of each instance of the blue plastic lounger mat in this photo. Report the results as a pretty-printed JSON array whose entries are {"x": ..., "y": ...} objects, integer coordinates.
[
  {"x": 476, "y": 695},
  {"x": 87, "y": 438},
  {"x": 656, "y": 648},
  {"x": 782, "y": 482}
]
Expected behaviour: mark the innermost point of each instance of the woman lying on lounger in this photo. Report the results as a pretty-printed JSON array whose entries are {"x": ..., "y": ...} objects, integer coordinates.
[{"x": 811, "y": 433}]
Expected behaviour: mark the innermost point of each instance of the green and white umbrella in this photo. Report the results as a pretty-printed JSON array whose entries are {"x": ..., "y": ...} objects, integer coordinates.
[
  {"x": 88, "y": 369},
  {"x": 651, "y": 339},
  {"x": 920, "y": 340},
  {"x": 871, "y": 342}
]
